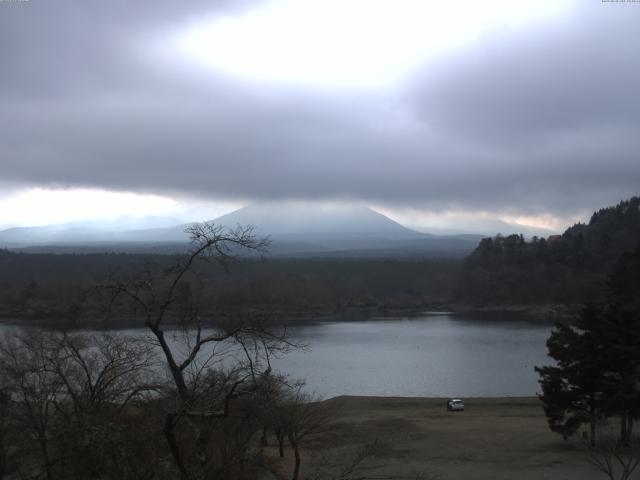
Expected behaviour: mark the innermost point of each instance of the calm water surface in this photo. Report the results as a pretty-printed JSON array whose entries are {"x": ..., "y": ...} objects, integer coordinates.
[{"x": 432, "y": 355}]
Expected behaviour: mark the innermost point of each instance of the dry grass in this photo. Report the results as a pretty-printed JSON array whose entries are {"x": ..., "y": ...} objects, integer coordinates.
[{"x": 498, "y": 438}]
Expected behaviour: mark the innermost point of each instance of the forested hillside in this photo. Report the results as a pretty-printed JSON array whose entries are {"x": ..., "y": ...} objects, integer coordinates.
[
  {"x": 501, "y": 272},
  {"x": 65, "y": 287},
  {"x": 567, "y": 268}
]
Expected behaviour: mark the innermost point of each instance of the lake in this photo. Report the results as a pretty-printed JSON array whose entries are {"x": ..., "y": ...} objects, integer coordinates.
[
  {"x": 433, "y": 355},
  {"x": 441, "y": 355}
]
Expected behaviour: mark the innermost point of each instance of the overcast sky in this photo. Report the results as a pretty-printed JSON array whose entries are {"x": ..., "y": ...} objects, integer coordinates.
[{"x": 434, "y": 112}]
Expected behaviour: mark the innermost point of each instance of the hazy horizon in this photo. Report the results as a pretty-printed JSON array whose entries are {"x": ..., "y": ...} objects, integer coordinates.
[{"x": 301, "y": 216}]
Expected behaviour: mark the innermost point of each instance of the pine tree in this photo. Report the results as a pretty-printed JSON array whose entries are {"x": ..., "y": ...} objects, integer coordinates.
[
  {"x": 597, "y": 371},
  {"x": 573, "y": 391}
]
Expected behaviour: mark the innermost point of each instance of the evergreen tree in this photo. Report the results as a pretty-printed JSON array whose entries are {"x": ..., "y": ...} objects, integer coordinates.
[
  {"x": 573, "y": 390},
  {"x": 597, "y": 371},
  {"x": 622, "y": 318}
]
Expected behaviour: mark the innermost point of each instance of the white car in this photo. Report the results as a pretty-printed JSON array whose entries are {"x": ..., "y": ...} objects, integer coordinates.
[{"x": 455, "y": 405}]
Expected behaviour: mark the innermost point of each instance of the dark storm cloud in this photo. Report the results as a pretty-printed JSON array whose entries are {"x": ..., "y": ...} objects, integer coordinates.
[
  {"x": 558, "y": 106},
  {"x": 545, "y": 119}
]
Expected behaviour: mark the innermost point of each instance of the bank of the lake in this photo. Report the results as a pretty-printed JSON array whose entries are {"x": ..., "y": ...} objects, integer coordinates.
[
  {"x": 493, "y": 439},
  {"x": 539, "y": 312}
]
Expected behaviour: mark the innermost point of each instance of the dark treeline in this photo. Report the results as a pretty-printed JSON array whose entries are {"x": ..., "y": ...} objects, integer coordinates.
[
  {"x": 59, "y": 286},
  {"x": 567, "y": 268},
  {"x": 502, "y": 271}
]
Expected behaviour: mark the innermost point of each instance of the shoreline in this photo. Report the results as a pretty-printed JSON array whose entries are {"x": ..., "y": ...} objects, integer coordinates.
[
  {"x": 489, "y": 399},
  {"x": 543, "y": 313}
]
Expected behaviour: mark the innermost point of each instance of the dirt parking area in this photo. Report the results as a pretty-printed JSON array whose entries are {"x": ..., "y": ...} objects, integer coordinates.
[{"x": 498, "y": 438}]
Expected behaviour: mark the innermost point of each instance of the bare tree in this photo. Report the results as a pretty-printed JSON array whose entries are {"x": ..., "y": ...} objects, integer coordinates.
[
  {"x": 104, "y": 378},
  {"x": 101, "y": 370},
  {"x": 103, "y": 406},
  {"x": 68, "y": 395},
  {"x": 616, "y": 459},
  {"x": 7, "y": 432},
  {"x": 210, "y": 364},
  {"x": 272, "y": 402},
  {"x": 305, "y": 417},
  {"x": 36, "y": 391}
]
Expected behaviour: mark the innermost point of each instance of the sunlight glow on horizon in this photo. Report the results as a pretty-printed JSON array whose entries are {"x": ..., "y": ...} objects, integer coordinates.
[
  {"x": 42, "y": 206},
  {"x": 475, "y": 221},
  {"x": 346, "y": 43}
]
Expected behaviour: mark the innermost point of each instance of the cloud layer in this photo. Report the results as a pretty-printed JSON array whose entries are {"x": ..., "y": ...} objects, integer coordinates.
[{"x": 536, "y": 120}]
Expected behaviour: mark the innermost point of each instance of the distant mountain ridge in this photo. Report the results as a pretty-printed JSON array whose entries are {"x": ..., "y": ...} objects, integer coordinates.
[
  {"x": 83, "y": 234},
  {"x": 309, "y": 220},
  {"x": 297, "y": 230},
  {"x": 343, "y": 232}
]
